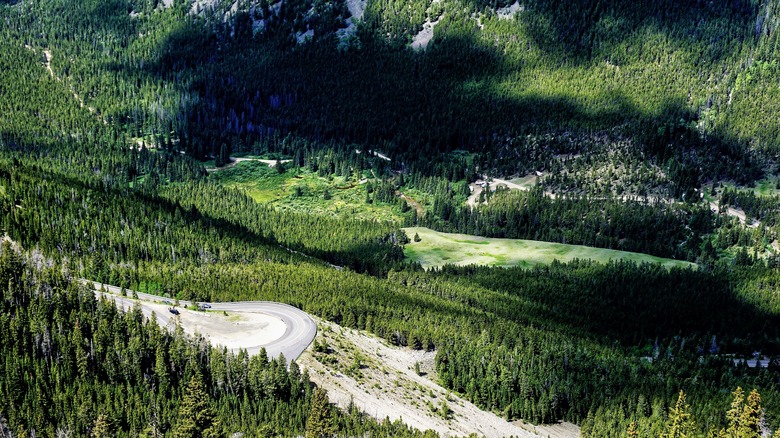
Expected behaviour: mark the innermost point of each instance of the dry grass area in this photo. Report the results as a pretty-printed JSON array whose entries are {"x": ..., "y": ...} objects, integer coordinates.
[{"x": 383, "y": 381}]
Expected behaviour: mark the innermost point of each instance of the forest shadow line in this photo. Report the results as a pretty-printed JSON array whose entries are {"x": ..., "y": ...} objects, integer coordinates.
[
  {"x": 350, "y": 255},
  {"x": 410, "y": 103},
  {"x": 650, "y": 303}
]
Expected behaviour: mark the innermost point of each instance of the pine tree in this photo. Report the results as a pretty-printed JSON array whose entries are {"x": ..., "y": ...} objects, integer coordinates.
[
  {"x": 161, "y": 371},
  {"x": 10, "y": 264},
  {"x": 631, "y": 432},
  {"x": 735, "y": 413},
  {"x": 751, "y": 417},
  {"x": 680, "y": 423},
  {"x": 296, "y": 388},
  {"x": 102, "y": 427},
  {"x": 320, "y": 424},
  {"x": 98, "y": 268},
  {"x": 642, "y": 407},
  {"x": 224, "y": 155},
  {"x": 744, "y": 418},
  {"x": 196, "y": 417}
]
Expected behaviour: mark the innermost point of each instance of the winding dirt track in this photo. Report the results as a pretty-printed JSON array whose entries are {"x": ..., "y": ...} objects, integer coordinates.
[{"x": 299, "y": 329}]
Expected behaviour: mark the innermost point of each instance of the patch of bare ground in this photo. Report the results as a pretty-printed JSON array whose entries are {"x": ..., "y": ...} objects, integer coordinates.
[
  {"x": 412, "y": 203},
  {"x": 356, "y": 9},
  {"x": 47, "y": 56},
  {"x": 376, "y": 154},
  {"x": 236, "y": 160},
  {"x": 525, "y": 183},
  {"x": 424, "y": 37},
  {"x": 737, "y": 213},
  {"x": 558, "y": 430},
  {"x": 473, "y": 199},
  {"x": 47, "y": 63},
  {"x": 394, "y": 383}
]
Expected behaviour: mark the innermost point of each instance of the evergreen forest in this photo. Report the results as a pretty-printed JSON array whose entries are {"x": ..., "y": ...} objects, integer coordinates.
[{"x": 262, "y": 150}]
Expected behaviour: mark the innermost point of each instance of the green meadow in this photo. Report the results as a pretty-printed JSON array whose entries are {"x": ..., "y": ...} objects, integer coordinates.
[
  {"x": 305, "y": 191},
  {"x": 437, "y": 249}
]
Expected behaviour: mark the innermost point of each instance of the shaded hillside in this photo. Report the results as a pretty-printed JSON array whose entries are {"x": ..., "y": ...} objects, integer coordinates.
[{"x": 684, "y": 80}]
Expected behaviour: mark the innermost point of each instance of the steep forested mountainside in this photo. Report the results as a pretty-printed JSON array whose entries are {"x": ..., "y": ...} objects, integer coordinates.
[
  {"x": 644, "y": 122},
  {"x": 686, "y": 84},
  {"x": 74, "y": 366}
]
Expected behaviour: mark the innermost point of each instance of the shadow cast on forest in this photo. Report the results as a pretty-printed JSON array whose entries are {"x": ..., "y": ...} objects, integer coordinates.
[
  {"x": 581, "y": 31},
  {"x": 415, "y": 105},
  {"x": 632, "y": 305},
  {"x": 419, "y": 105}
]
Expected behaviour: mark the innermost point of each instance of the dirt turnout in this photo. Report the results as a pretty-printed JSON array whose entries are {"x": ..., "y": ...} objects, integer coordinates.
[
  {"x": 737, "y": 213},
  {"x": 236, "y": 160},
  {"x": 249, "y": 325},
  {"x": 493, "y": 183}
]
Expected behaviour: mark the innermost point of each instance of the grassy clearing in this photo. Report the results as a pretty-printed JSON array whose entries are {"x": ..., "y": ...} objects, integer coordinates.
[
  {"x": 302, "y": 190},
  {"x": 438, "y": 249},
  {"x": 767, "y": 187},
  {"x": 764, "y": 187},
  {"x": 527, "y": 182}
]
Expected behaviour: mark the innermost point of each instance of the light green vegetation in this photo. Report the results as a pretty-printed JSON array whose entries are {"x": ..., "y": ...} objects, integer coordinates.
[
  {"x": 767, "y": 187},
  {"x": 304, "y": 191},
  {"x": 764, "y": 187},
  {"x": 149, "y": 287},
  {"x": 137, "y": 180},
  {"x": 232, "y": 316},
  {"x": 417, "y": 199},
  {"x": 261, "y": 182},
  {"x": 437, "y": 249},
  {"x": 527, "y": 182}
]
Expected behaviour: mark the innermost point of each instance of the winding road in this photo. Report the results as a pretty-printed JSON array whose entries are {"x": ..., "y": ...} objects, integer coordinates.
[{"x": 248, "y": 325}]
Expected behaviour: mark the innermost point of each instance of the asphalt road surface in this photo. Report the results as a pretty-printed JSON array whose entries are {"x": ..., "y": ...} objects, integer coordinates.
[{"x": 299, "y": 331}]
